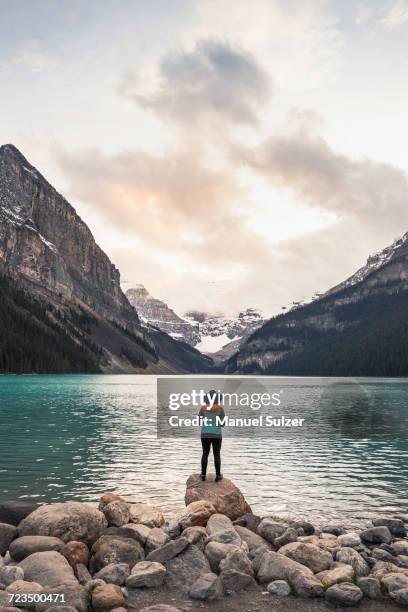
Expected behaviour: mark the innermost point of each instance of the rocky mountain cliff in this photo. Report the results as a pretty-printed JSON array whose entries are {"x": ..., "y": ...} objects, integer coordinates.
[
  {"x": 56, "y": 277},
  {"x": 359, "y": 327},
  {"x": 158, "y": 314}
]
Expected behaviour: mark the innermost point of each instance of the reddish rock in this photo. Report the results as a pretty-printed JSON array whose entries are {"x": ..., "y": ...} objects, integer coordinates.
[
  {"x": 76, "y": 552},
  {"x": 223, "y": 495}
]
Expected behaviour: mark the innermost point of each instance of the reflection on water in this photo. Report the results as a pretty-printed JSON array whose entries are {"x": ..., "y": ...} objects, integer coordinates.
[{"x": 75, "y": 437}]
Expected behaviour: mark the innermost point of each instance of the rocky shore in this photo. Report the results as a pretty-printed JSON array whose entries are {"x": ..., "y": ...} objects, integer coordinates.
[{"x": 73, "y": 556}]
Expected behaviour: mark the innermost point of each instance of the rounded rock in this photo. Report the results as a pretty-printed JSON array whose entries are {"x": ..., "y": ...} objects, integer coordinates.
[
  {"x": 117, "y": 513},
  {"x": 279, "y": 587},
  {"x": 345, "y": 594},
  {"x": 107, "y": 597},
  {"x": 76, "y": 552}
]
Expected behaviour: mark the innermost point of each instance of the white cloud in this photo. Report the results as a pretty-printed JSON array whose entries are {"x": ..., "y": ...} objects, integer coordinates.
[
  {"x": 396, "y": 15},
  {"x": 31, "y": 57}
]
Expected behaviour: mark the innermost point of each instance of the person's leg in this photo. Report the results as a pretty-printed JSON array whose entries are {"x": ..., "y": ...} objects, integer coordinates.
[
  {"x": 216, "y": 444},
  {"x": 206, "y": 444}
]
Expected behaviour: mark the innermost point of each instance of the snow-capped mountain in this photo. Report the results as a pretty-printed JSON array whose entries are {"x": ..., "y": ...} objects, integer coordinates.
[
  {"x": 207, "y": 332},
  {"x": 357, "y": 328},
  {"x": 157, "y": 313},
  {"x": 374, "y": 262}
]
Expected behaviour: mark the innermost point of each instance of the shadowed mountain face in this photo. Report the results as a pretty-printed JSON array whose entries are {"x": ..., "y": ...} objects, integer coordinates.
[
  {"x": 358, "y": 328},
  {"x": 57, "y": 277}
]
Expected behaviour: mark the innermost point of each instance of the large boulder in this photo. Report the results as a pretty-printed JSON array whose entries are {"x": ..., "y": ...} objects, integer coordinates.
[
  {"x": 49, "y": 569},
  {"x": 7, "y": 535},
  {"x": 27, "y": 545},
  {"x": 13, "y": 512},
  {"x": 349, "y": 556},
  {"x": 224, "y": 495},
  {"x": 115, "y": 549},
  {"x": 151, "y": 516},
  {"x": 67, "y": 521},
  {"x": 376, "y": 535},
  {"x": 184, "y": 569},
  {"x": 310, "y": 555},
  {"x": 274, "y": 566},
  {"x": 343, "y": 573}
]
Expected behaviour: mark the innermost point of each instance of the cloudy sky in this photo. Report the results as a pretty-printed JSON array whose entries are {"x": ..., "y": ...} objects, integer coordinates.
[{"x": 225, "y": 153}]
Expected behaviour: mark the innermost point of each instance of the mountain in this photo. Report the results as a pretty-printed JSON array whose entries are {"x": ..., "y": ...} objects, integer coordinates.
[
  {"x": 216, "y": 335},
  {"x": 357, "y": 328},
  {"x": 63, "y": 309},
  {"x": 158, "y": 314},
  {"x": 220, "y": 335}
]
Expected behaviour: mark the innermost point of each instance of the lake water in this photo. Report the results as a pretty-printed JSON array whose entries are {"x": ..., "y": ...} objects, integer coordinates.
[{"x": 76, "y": 437}]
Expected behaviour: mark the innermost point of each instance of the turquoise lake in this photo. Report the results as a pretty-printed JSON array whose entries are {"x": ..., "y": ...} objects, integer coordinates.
[{"x": 76, "y": 437}]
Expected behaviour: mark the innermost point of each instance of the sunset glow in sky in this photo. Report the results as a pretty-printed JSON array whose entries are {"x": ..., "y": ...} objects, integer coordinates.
[{"x": 225, "y": 153}]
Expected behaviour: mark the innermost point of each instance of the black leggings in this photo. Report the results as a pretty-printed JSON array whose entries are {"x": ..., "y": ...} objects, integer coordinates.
[{"x": 216, "y": 444}]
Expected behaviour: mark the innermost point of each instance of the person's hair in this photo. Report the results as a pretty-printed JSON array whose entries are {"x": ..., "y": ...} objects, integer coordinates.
[{"x": 209, "y": 397}]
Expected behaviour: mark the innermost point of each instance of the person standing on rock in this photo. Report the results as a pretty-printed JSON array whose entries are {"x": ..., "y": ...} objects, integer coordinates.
[{"x": 211, "y": 433}]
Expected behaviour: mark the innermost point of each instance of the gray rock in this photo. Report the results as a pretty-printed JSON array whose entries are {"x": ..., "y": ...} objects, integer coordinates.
[
  {"x": 7, "y": 535},
  {"x": 288, "y": 536},
  {"x": 74, "y": 596},
  {"x": 370, "y": 587},
  {"x": 135, "y": 531},
  {"x": 400, "y": 547},
  {"x": 256, "y": 557},
  {"x": 49, "y": 569},
  {"x": 67, "y": 521},
  {"x": 376, "y": 535},
  {"x": 13, "y": 512},
  {"x": 114, "y": 573},
  {"x": 173, "y": 529},
  {"x": 186, "y": 568},
  {"x": 383, "y": 555},
  {"x": 274, "y": 566},
  {"x": 353, "y": 558},
  {"x": 228, "y": 536},
  {"x": 11, "y": 573},
  {"x": 250, "y": 521},
  {"x": 196, "y": 535},
  {"x": 115, "y": 549},
  {"x": 117, "y": 513},
  {"x": 234, "y": 581},
  {"x": 396, "y": 526},
  {"x": 169, "y": 550},
  {"x": 270, "y": 529},
  {"x": 309, "y": 555},
  {"x": 394, "y": 582},
  {"x": 218, "y": 522},
  {"x": 146, "y": 574},
  {"x": 345, "y": 594},
  {"x": 215, "y": 552},
  {"x": 207, "y": 587},
  {"x": 27, "y": 545},
  {"x": 252, "y": 539},
  {"x": 237, "y": 560},
  {"x": 308, "y": 528},
  {"x": 303, "y": 584},
  {"x": 333, "y": 529},
  {"x": 279, "y": 587},
  {"x": 401, "y": 597},
  {"x": 351, "y": 540},
  {"x": 82, "y": 573},
  {"x": 156, "y": 539}
]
